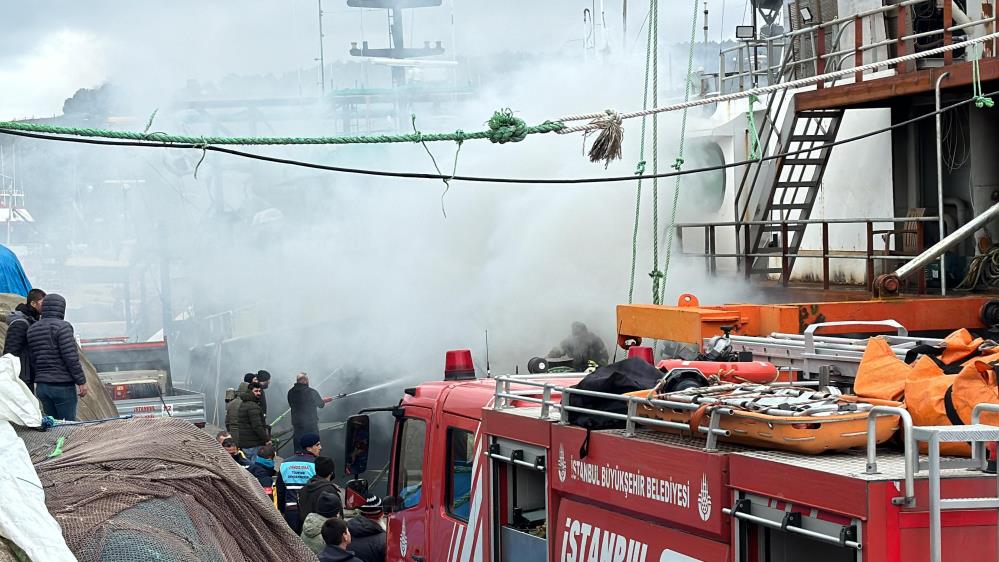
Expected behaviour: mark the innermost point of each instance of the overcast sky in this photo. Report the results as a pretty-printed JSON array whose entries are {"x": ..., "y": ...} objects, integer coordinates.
[{"x": 58, "y": 46}]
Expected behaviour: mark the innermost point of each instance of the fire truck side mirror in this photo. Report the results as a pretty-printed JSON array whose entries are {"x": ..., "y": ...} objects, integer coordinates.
[{"x": 355, "y": 447}]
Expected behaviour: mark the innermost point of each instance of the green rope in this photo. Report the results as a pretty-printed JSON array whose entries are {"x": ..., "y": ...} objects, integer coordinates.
[
  {"x": 655, "y": 274},
  {"x": 640, "y": 167},
  {"x": 679, "y": 159},
  {"x": 754, "y": 136},
  {"x": 503, "y": 127},
  {"x": 981, "y": 100},
  {"x": 58, "y": 448}
]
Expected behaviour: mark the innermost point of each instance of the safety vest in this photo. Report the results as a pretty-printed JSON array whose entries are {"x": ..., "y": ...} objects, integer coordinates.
[{"x": 296, "y": 473}]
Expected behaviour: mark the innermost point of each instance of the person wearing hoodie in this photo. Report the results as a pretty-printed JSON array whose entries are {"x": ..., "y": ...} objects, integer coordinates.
[
  {"x": 321, "y": 482},
  {"x": 367, "y": 531},
  {"x": 18, "y": 322},
  {"x": 337, "y": 538},
  {"x": 328, "y": 505},
  {"x": 262, "y": 468},
  {"x": 232, "y": 406},
  {"x": 253, "y": 432},
  {"x": 55, "y": 361}
]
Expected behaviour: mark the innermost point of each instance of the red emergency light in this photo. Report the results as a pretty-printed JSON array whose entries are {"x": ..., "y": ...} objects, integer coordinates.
[
  {"x": 458, "y": 365},
  {"x": 642, "y": 351}
]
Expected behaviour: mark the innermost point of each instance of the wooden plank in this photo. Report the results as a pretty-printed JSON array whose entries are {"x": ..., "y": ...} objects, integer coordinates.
[{"x": 879, "y": 92}]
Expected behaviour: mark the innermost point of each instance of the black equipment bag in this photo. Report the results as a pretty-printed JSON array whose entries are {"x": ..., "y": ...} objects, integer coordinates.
[{"x": 624, "y": 376}]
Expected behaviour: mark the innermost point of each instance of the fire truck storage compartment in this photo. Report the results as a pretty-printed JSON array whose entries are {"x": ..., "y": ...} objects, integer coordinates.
[
  {"x": 768, "y": 529},
  {"x": 520, "y": 500}
]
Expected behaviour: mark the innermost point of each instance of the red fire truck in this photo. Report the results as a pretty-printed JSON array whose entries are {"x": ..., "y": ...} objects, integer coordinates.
[{"x": 490, "y": 470}]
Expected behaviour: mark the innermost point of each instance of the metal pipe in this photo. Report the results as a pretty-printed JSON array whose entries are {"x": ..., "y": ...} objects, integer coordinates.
[
  {"x": 978, "y": 449},
  {"x": 934, "y": 500},
  {"x": 910, "y": 462},
  {"x": 859, "y": 220},
  {"x": 792, "y": 529},
  {"x": 951, "y": 240},
  {"x": 940, "y": 197}
]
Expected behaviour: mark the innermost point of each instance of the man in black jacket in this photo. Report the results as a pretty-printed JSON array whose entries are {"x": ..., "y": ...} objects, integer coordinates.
[
  {"x": 253, "y": 432},
  {"x": 321, "y": 482},
  {"x": 367, "y": 533},
  {"x": 303, "y": 402},
  {"x": 55, "y": 361},
  {"x": 18, "y": 322},
  {"x": 264, "y": 378},
  {"x": 337, "y": 538}
]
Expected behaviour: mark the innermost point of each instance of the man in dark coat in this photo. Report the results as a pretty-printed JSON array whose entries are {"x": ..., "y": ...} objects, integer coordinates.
[
  {"x": 55, "y": 361},
  {"x": 303, "y": 402},
  {"x": 264, "y": 378},
  {"x": 582, "y": 346},
  {"x": 232, "y": 406},
  {"x": 293, "y": 474},
  {"x": 367, "y": 533},
  {"x": 321, "y": 482},
  {"x": 253, "y": 432},
  {"x": 18, "y": 322},
  {"x": 337, "y": 538}
]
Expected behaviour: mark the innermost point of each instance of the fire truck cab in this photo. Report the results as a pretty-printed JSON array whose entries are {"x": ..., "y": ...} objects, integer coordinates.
[{"x": 490, "y": 470}]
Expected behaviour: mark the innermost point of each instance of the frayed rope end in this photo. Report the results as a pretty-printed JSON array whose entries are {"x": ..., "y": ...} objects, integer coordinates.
[{"x": 607, "y": 146}]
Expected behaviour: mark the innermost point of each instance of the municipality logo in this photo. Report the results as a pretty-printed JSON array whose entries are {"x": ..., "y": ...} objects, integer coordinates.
[
  {"x": 561, "y": 464},
  {"x": 704, "y": 500}
]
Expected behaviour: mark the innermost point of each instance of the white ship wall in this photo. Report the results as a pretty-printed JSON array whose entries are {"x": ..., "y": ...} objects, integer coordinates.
[{"x": 857, "y": 184}]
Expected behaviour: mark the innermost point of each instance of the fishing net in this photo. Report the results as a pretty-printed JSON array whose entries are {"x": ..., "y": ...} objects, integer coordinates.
[{"x": 156, "y": 489}]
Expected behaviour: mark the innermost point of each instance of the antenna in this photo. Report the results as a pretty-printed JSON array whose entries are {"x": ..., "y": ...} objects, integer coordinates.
[
  {"x": 624, "y": 25},
  {"x": 322, "y": 59},
  {"x": 705, "y": 22},
  {"x": 488, "y": 370}
]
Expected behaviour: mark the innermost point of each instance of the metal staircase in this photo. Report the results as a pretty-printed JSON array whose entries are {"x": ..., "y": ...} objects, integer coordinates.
[{"x": 783, "y": 190}]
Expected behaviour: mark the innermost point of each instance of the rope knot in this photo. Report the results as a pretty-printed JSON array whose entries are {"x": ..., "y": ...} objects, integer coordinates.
[
  {"x": 504, "y": 127},
  {"x": 418, "y": 136},
  {"x": 655, "y": 274},
  {"x": 607, "y": 147},
  {"x": 678, "y": 164},
  {"x": 640, "y": 168}
]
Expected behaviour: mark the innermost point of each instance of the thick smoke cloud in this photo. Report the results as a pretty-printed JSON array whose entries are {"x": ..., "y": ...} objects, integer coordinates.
[{"x": 328, "y": 271}]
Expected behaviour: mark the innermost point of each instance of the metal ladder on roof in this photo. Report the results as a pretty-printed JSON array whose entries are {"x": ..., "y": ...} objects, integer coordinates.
[
  {"x": 976, "y": 433},
  {"x": 792, "y": 185}
]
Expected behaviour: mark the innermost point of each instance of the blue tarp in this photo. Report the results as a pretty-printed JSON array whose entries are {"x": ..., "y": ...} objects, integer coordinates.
[{"x": 12, "y": 277}]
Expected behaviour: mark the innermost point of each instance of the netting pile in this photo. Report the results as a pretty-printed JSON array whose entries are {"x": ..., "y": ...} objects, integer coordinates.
[{"x": 156, "y": 489}]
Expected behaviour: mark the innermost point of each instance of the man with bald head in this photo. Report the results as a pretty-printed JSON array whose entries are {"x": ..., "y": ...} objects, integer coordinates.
[{"x": 304, "y": 402}]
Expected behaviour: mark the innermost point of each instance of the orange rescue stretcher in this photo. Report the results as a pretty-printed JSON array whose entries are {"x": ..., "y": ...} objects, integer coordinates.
[{"x": 798, "y": 419}]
